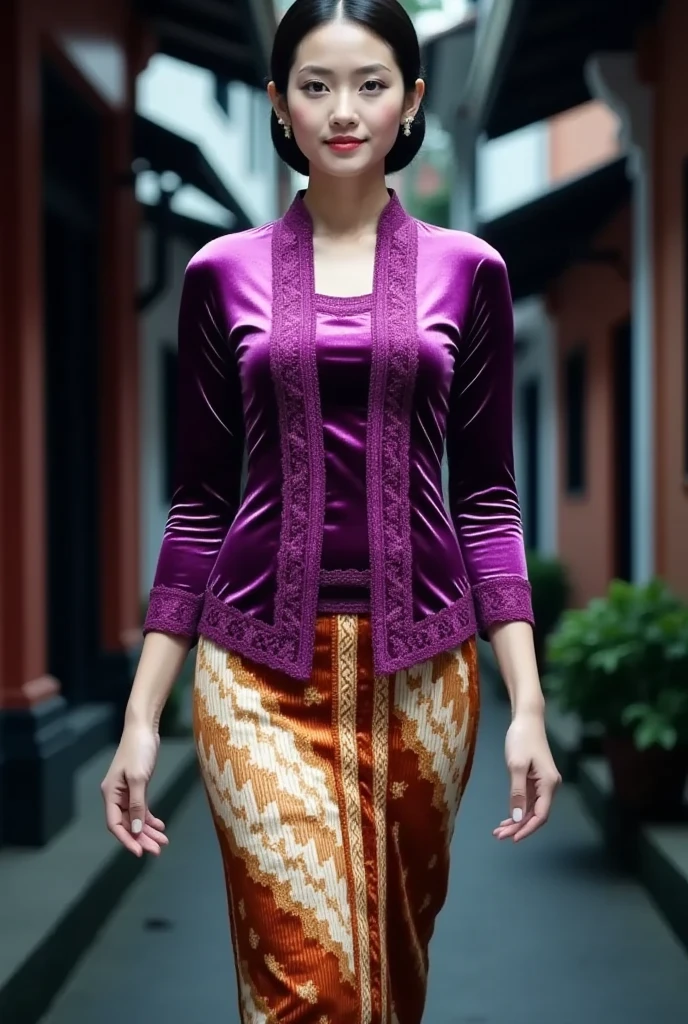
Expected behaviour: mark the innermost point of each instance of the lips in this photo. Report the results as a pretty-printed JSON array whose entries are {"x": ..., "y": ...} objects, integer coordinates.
[{"x": 344, "y": 143}]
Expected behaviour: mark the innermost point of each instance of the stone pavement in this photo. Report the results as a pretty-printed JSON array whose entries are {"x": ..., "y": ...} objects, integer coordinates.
[{"x": 542, "y": 933}]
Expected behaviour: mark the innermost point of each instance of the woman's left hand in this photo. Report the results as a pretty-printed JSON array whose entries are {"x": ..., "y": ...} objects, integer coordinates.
[{"x": 534, "y": 776}]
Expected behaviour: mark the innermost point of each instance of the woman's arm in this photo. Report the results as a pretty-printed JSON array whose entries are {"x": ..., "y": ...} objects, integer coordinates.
[
  {"x": 486, "y": 514},
  {"x": 514, "y": 650},
  {"x": 162, "y": 659},
  {"x": 482, "y": 489},
  {"x": 210, "y": 440},
  {"x": 206, "y": 496}
]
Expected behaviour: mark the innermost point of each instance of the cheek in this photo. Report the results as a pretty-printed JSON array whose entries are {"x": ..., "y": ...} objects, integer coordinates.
[
  {"x": 384, "y": 116},
  {"x": 304, "y": 117}
]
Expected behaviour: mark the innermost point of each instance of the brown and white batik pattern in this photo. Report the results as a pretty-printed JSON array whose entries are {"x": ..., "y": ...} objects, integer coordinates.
[{"x": 334, "y": 802}]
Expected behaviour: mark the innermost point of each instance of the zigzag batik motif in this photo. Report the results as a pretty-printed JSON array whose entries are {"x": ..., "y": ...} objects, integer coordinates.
[{"x": 334, "y": 800}]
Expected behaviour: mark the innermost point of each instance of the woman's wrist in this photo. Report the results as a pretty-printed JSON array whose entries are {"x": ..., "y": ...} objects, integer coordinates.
[
  {"x": 514, "y": 649},
  {"x": 532, "y": 707},
  {"x": 162, "y": 659},
  {"x": 139, "y": 714}
]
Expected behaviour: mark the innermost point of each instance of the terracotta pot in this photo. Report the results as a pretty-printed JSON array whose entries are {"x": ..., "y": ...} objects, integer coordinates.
[{"x": 647, "y": 782}]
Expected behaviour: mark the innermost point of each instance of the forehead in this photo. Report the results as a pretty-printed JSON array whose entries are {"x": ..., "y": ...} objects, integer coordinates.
[{"x": 342, "y": 47}]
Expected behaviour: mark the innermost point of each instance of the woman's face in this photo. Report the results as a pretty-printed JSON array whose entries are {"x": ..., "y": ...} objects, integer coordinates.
[{"x": 345, "y": 83}]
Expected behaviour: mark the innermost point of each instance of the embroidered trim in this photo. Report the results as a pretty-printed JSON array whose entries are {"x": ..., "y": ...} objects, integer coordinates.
[
  {"x": 343, "y": 606},
  {"x": 345, "y": 577},
  {"x": 172, "y": 610},
  {"x": 295, "y": 375},
  {"x": 503, "y": 599},
  {"x": 254, "y": 638},
  {"x": 340, "y": 305},
  {"x": 260, "y": 641},
  {"x": 395, "y": 350}
]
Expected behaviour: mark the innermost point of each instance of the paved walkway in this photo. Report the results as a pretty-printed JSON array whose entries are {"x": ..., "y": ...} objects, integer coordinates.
[{"x": 542, "y": 933}]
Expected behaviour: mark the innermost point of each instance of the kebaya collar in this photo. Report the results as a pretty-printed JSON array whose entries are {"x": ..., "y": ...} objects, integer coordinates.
[{"x": 298, "y": 216}]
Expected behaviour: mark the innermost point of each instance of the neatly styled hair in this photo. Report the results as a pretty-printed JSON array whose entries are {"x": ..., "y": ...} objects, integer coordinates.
[{"x": 386, "y": 19}]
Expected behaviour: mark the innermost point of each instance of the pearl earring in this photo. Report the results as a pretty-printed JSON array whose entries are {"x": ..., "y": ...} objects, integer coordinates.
[
  {"x": 408, "y": 121},
  {"x": 287, "y": 128}
]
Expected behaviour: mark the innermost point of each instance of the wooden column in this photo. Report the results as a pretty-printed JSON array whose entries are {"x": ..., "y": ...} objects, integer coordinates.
[{"x": 35, "y": 773}]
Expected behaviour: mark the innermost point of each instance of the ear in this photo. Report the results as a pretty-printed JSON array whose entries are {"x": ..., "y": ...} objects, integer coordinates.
[
  {"x": 278, "y": 102},
  {"x": 414, "y": 98}
]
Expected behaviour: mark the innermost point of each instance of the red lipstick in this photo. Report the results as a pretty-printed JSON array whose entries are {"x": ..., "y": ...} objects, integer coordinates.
[{"x": 344, "y": 143}]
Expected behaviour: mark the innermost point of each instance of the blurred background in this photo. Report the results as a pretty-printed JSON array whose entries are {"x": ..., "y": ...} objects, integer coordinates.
[{"x": 135, "y": 132}]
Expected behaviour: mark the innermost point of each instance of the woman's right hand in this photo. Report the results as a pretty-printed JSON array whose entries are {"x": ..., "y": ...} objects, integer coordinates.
[{"x": 124, "y": 791}]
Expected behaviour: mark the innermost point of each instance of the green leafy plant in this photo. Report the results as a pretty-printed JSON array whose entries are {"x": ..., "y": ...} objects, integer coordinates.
[{"x": 622, "y": 662}]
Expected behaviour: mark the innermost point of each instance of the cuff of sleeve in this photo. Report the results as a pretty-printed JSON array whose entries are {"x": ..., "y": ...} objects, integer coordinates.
[
  {"x": 503, "y": 599},
  {"x": 173, "y": 611}
]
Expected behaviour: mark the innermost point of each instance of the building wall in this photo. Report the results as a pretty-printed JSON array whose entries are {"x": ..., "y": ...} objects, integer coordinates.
[
  {"x": 237, "y": 144},
  {"x": 587, "y": 302},
  {"x": 511, "y": 170},
  {"x": 96, "y": 44},
  {"x": 580, "y": 139},
  {"x": 536, "y": 364},
  {"x": 671, "y": 152}
]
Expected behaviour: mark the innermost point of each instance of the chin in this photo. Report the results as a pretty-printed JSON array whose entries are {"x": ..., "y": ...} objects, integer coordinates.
[{"x": 346, "y": 166}]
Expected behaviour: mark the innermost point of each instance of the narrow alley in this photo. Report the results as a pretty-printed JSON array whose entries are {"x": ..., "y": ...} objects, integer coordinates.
[{"x": 542, "y": 933}]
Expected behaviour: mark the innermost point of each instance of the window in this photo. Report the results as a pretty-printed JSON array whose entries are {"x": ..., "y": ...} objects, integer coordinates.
[
  {"x": 574, "y": 390},
  {"x": 168, "y": 407}
]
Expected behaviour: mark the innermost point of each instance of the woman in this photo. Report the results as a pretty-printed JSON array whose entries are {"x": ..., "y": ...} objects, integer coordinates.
[{"x": 336, "y": 602}]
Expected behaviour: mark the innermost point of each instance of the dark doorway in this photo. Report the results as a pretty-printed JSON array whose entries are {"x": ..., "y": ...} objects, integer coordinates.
[
  {"x": 623, "y": 452},
  {"x": 531, "y": 422},
  {"x": 71, "y": 215}
]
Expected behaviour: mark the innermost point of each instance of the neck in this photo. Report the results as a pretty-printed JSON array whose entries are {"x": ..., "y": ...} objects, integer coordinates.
[{"x": 345, "y": 207}]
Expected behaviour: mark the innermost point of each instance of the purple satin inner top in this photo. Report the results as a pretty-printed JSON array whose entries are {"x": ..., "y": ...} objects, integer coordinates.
[{"x": 344, "y": 349}]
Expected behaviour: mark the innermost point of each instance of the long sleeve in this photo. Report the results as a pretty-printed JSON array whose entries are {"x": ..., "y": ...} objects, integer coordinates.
[
  {"x": 482, "y": 489},
  {"x": 208, "y": 466}
]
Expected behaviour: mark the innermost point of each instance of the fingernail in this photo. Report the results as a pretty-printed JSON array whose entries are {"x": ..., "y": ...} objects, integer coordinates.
[
  {"x": 136, "y": 825},
  {"x": 517, "y": 814}
]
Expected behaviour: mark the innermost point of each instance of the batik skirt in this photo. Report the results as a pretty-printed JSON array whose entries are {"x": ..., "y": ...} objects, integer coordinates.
[{"x": 334, "y": 802}]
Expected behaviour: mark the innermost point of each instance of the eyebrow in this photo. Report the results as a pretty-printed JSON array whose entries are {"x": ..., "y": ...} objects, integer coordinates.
[{"x": 368, "y": 69}]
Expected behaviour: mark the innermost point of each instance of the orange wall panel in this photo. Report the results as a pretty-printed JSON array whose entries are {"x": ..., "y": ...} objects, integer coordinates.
[
  {"x": 580, "y": 139},
  {"x": 586, "y": 303}
]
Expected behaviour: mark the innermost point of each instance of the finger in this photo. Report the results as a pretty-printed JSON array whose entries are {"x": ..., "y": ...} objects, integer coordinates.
[
  {"x": 541, "y": 812},
  {"x": 512, "y": 828},
  {"x": 532, "y": 825},
  {"x": 149, "y": 845},
  {"x": 113, "y": 817},
  {"x": 137, "y": 804},
  {"x": 517, "y": 799},
  {"x": 155, "y": 822},
  {"x": 156, "y": 835}
]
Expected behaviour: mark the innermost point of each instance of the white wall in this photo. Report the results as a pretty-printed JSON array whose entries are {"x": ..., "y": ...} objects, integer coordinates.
[
  {"x": 181, "y": 97},
  {"x": 511, "y": 170}
]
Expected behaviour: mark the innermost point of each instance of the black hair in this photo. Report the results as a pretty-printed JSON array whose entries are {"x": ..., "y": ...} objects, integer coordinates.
[{"x": 386, "y": 19}]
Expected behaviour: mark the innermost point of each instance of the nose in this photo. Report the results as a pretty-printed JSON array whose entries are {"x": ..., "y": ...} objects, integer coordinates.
[{"x": 343, "y": 115}]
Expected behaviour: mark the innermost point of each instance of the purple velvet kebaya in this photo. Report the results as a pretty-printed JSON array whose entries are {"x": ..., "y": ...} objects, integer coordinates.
[{"x": 344, "y": 407}]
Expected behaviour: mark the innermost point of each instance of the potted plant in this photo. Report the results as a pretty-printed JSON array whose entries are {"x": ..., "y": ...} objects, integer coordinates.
[
  {"x": 550, "y": 592},
  {"x": 622, "y": 662}
]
